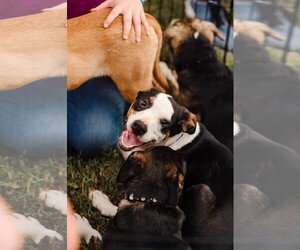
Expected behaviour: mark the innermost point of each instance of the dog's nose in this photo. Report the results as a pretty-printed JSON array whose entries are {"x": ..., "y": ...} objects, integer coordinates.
[{"x": 139, "y": 128}]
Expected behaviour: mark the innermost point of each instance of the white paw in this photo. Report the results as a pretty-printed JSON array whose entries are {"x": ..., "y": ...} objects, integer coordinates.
[
  {"x": 55, "y": 199},
  {"x": 85, "y": 229},
  {"x": 102, "y": 203},
  {"x": 33, "y": 229}
]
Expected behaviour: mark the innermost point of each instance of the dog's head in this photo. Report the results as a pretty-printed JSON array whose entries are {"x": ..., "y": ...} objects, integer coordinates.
[
  {"x": 154, "y": 118},
  {"x": 180, "y": 30},
  {"x": 155, "y": 175}
]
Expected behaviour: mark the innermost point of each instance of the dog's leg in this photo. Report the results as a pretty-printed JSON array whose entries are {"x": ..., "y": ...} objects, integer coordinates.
[
  {"x": 85, "y": 229},
  {"x": 102, "y": 203},
  {"x": 33, "y": 229},
  {"x": 55, "y": 199}
]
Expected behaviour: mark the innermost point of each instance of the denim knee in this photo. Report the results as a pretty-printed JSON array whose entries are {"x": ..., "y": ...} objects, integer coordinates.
[
  {"x": 95, "y": 114},
  {"x": 97, "y": 133}
]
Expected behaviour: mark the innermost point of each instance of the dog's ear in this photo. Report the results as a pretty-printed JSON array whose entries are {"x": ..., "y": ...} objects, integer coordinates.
[
  {"x": 188, "y": 122},
  {"x": 130, "y": 168}
]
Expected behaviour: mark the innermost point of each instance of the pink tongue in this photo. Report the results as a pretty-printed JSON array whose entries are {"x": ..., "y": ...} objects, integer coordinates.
[{"x": 129, "y": 140}]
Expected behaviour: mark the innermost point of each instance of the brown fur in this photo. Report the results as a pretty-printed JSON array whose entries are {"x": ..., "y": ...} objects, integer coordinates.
[
  {"x": 32, "y": 47},
  {"x": 256, "y": 30},
  {"x": 180, "y": 30},
  {"x": 95, "y": 51}
]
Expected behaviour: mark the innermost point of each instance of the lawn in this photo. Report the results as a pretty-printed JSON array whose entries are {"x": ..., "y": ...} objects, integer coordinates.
[
  {"x": 21, "y": 181},
  {"x": 98, "y": 173}
]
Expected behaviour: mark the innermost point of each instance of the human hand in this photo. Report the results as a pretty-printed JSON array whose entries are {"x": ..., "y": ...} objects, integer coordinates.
[{"x": 133, "y": 13}]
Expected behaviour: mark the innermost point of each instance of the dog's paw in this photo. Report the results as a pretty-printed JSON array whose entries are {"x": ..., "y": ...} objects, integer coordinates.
[
  {"x": 34, "y": 230},
  {"x": 55, "y": 199},
  {"x": 102, "y": 203},
  {"x": 85, "y": 229}
]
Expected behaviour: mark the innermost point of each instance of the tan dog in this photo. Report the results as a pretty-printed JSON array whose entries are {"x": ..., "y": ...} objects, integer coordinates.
[
  {"x": 94, "y": 51},
  {"x": 32, "y": 47},
  {"x": 256, "y": 30},
  {"x": 180, "y": 30}
]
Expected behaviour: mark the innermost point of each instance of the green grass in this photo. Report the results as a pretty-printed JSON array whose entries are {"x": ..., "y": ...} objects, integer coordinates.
[
  {"x": 86, "y": 175},
  {"x": 21, "y": 181},
  {"x": 293, "y": 58}
]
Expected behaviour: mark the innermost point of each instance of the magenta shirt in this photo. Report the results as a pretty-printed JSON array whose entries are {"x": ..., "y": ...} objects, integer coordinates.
[
  {"x": 15, "y": 8},
  {"x": 81, "y": 7}
]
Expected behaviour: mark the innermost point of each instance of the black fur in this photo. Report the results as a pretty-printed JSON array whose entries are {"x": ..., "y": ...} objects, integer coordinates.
[
  {"x": 271, "y": 167},
  {"x": 266, "y": 93},
  {"x": 209, "y": 164},
  {"x": 206, "y": 86},
  {"x": 208, "y": 193},
  {"x": 147, "y": 225},
  {"x": 267, "y": 193}
]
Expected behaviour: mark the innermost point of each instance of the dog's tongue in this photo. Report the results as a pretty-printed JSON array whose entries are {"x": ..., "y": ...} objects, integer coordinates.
[{"x": 128, "y": 140}]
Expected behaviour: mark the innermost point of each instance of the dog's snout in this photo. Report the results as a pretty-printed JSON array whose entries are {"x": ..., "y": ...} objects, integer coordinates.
[{"x": 139, "y": 128}]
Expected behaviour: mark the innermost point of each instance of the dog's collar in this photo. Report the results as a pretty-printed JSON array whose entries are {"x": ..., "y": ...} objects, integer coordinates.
[{"x": 134, "y": 198}]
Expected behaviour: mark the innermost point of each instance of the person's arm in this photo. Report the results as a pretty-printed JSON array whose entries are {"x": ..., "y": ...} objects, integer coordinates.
[{"x": 133, "y": 13}]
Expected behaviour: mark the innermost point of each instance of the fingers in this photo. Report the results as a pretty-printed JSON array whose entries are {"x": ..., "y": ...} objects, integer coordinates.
[
  {"x": 137, "y": 26},
  {"x": 112, "y": 15},
  {"x": 145, "y": 23},
  {"x": 127, "y": 21},
  {"x": 102, "y": 6}
]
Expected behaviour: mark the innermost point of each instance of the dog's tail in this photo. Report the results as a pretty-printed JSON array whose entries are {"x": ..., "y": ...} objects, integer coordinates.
[
  {"x": 159, "y": 81},
  {"x": 270, "y": 32}
]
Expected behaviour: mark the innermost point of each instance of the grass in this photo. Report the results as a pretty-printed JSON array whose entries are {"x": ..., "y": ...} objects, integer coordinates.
[
  {"x": 293, "y": 58},
  {"x": 21, "y": 181},
  {"x": 98, "y": 173}
]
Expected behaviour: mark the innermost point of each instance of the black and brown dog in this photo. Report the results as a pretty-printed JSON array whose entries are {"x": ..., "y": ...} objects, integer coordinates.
[
  {"x": 156, "y": 119},
  {"x": 149, "y": 217}
]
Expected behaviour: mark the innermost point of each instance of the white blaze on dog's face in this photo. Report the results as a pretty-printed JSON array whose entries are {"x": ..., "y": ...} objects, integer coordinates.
[{"x": 153, "y": 118}]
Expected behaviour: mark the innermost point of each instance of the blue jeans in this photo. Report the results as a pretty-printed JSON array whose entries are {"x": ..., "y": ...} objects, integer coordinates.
[
  {"x": 33, "y": 119},
  {"x": 95, "y": 116}
]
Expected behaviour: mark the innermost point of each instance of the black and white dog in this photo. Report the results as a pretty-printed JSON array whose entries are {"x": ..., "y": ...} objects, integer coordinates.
[{"x": 156, "y": 119}]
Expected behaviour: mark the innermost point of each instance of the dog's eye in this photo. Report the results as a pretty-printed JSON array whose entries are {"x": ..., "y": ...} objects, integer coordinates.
[
  {"x": 143, "y": 103},
  {"x": 164, "y": 123}
]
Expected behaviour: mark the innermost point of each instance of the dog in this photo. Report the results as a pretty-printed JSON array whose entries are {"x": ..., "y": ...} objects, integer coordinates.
[
  {"x": 32, "y": 47},
  {"x": 95, "y": 51},
  {"x": 148, "y": 217},
  {"x": 266, "y": 192},
  {"x": 256, "y": 30},
  {"x": 206, "y": 86},
  {"x": 266, "y": 93},
  {"x": 180, "y": 29},
  {"x": 155, "y": 119},
  {"x": 271, "y": 167}
]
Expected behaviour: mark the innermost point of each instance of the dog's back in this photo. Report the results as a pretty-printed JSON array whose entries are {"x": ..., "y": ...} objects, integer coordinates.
[{"x": 206, "y": 86}]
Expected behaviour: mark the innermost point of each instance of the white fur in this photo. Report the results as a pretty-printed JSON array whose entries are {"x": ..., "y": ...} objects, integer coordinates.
[
  {"x": 236, "y": 128},
  {"x": 196, "y": 34},
  {"x": 33, "y": 229},
  {"x": 189, "y": 11},
  {"x": 161, "y": 109},
  {"x": 168, "y": 74},
  {"x": 55, "y": 199},
  {"x": 85, "y": 229},
  {"x": 178, "y": 141},
  {"x": 102, "y": 203}
]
